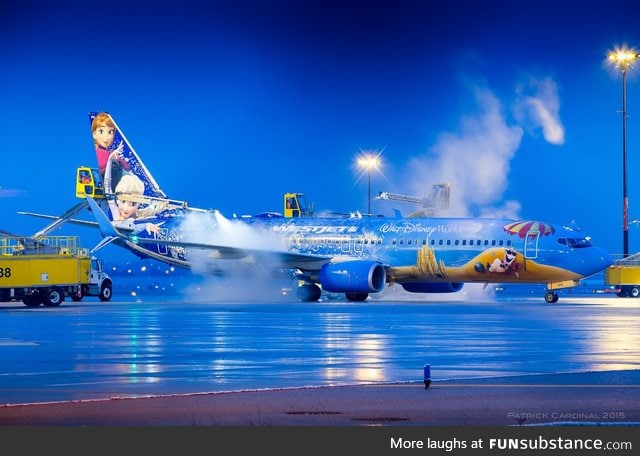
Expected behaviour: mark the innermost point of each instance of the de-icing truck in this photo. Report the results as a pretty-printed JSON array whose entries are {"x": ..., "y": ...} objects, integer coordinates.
[{"x": 44, "y": 270}]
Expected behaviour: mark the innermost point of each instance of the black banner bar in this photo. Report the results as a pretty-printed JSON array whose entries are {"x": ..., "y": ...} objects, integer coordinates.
[{"x": 579, "y": 440}]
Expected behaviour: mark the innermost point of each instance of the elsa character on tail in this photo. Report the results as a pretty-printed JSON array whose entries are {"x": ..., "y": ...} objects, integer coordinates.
[{"x": 129, "y": 209}]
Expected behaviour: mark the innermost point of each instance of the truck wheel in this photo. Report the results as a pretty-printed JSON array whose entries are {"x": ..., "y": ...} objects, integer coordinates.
[
  {"x": 32, "y": 300},
  {"x": 105, "y": 291},
  {"x": 634, "y": 292},
  {"x": 53, "y": 297},
  {"x": 76, "y": 293}
]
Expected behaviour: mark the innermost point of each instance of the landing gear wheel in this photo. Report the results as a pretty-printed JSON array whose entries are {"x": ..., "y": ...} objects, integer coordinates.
[
  {"x": 309, "y": 292},
  {"x": 105, "y": 291},
  {"x": 358, "y": 297},
  {"x": 53, "y": 297},
  {"x": 551, "y": 297}
]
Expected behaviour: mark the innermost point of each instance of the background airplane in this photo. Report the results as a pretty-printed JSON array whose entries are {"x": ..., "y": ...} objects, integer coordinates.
[{"x": 351, "y": 255}]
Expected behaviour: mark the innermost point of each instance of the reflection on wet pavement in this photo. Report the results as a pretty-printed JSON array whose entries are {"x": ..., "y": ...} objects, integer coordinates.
[{"x": 92, "y": 350}]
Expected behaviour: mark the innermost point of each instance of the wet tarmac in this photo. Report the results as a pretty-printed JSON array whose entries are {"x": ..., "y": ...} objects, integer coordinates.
[{"x": 155, "y": 345}]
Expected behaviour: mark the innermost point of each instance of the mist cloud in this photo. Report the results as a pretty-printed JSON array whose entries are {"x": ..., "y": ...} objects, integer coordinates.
[
  {"x": 475, "y": 160},
  {"x": 231, "y": 276},
  {"x": 540, "y": 109},
  {"x": 214, "y": 228}
]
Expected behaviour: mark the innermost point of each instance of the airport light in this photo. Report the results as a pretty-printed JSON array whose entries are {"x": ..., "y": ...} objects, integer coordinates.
[
  {"x": 369, "y": 162},
  {"x": 623, "y": 59}
]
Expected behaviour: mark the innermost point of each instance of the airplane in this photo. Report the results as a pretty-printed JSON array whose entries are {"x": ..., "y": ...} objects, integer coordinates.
[{"x": 357, "y": 256}]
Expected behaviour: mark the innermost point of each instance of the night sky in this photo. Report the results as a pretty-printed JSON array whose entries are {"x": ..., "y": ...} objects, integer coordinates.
[{"x": 231, "y": 104}]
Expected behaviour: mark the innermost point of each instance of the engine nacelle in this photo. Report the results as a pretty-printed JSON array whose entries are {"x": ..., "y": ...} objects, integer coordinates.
[
  {"x": 353, "y": 276},
  {"x": 432, "y": 287}
]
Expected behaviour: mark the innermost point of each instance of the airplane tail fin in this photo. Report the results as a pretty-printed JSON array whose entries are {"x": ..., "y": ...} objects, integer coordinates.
[
  {"x": 117, "y": 159},
  {"x": 115, "y": 154}
]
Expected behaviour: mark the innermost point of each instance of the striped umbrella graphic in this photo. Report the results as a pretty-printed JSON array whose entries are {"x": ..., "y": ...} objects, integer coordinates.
[{"x": 521, "y": 228}]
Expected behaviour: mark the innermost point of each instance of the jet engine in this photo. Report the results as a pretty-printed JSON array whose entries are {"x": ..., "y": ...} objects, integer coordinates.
[{"x": 353, "y": 276}]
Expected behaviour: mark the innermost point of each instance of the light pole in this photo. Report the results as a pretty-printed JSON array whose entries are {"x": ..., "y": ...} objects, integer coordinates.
[
  {"x": 623, "y": 59},
  {"x": 369, "y": 162}
]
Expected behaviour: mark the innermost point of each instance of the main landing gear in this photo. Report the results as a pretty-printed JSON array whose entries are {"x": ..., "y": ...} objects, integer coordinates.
[
  {"x": 309, "y": 292},
  {"x": 551, "y": 297}
]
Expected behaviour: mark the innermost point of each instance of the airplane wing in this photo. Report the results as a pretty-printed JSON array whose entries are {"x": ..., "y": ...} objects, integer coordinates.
[
  {"x": 282, "y": 258},
  {"x": 87, "y": 223},
  {"x": 110, "y": 232},
  {"x": 64, "y": 218}
]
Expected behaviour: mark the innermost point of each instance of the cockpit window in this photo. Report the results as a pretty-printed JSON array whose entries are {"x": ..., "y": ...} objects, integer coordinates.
[{"x": 576, "y": 243}]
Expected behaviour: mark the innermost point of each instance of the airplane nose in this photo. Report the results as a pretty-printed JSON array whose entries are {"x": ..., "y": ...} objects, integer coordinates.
[{"x": 600, "y": 259}]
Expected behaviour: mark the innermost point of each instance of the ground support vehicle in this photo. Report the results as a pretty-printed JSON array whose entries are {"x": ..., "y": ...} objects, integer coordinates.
[
  {"x": 295, "y": 205},
  {"x": 624, "y": 274},
  {"x": 45, "y": 270}
]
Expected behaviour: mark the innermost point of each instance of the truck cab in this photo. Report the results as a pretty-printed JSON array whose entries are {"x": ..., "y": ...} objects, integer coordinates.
[
  {"x": 99, "y": 283},
  {"x": 295, "y": 205},
  {"x": 89, "y": 183}
]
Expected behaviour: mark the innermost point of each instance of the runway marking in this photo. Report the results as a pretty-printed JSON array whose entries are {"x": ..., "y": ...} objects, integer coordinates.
[
  {"x": 580, "y": 385},
  {"x": 313, "y": 413},
  {"x": 381, "y": 419},
  {"x": 494, "y": 385}
]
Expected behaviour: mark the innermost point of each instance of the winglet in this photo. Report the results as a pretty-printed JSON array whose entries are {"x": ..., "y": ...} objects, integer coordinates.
[
  {"x": 109, "y": 232},
  {"x": 102, "y": 243},
  {"x": 106, "y": 228}
]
